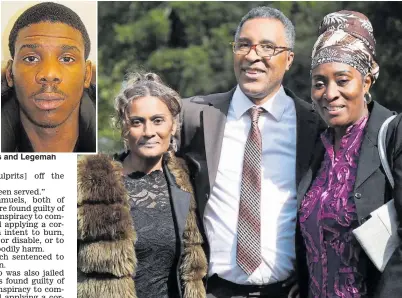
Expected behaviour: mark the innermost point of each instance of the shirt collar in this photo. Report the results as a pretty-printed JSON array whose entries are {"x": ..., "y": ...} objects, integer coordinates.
[{"x": 275, "y": 106}]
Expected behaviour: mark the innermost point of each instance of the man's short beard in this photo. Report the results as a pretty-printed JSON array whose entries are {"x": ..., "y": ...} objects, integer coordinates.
[
  {"x": 36, "y": 123},
  {"x": 45, "y": 125}
]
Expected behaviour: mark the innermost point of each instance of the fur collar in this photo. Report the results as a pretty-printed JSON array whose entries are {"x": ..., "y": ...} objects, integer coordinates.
[{"x": 106, "y": 254}]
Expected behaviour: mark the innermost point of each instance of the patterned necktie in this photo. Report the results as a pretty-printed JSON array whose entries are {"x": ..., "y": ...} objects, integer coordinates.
[{"x": 249, "y": 222}]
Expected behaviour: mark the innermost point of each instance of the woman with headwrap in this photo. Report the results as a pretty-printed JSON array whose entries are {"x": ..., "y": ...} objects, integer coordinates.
[{"x": 346, "y": 180}]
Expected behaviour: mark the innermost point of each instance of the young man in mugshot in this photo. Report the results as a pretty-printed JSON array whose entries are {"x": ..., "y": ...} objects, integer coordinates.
[{"x": 48, "y": 103}]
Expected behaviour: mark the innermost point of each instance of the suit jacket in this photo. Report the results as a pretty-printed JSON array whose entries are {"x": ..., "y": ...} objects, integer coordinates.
[
  {"x": 204, "y": 119},
  {"x": 371, "y": 190}
]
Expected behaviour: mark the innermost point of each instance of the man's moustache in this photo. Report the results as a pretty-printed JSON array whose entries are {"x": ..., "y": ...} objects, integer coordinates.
[{"x": 48, "y": 89}]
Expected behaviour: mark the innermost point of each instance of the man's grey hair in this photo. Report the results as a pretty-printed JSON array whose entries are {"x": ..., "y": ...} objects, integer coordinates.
[{"x": 270, "y": 13}]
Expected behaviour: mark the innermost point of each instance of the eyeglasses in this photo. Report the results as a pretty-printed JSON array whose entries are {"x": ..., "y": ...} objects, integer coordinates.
[{"x": 262, "y": 50}]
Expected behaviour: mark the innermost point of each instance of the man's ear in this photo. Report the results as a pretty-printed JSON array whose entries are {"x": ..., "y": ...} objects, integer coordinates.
[
  {"x": 88, "y": 74},
  {"x": 9, "y": 73},
  {"x": 289, "y": 62}
]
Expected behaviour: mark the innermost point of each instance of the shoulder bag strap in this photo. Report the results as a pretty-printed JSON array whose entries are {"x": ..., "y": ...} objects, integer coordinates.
[{"x": 382, "y": 149}]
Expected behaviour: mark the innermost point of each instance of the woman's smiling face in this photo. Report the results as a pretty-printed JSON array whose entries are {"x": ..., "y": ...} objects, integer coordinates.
[
  {"x": 338, "y": 91},
  {"x": 151, "y": 127}
]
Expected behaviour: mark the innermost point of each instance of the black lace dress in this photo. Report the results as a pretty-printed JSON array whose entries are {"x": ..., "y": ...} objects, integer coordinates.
[{"x": 155, "y": 246}]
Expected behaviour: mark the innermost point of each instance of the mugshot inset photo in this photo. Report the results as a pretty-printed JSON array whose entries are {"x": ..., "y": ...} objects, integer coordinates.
[{"x": 48, "y": 78}]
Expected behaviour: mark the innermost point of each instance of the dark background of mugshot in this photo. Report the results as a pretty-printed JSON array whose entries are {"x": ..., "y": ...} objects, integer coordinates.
[{"x": 187, "y": 43}]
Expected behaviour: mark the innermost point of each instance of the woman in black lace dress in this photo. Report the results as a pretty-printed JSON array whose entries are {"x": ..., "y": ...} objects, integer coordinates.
[{"x": 137, "y": 226}]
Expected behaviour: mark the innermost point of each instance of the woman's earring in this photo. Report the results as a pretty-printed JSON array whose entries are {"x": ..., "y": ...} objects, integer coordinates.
[
  {"x": 125, "y": 143},
  {"x": 173, "y": 143},
  {"x": 367, "y": 98}
]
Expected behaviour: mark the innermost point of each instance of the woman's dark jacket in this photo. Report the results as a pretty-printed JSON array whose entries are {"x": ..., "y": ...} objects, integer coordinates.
[
  {"x": 106, "y": 235},
  {"x": 371, "y": 190}
]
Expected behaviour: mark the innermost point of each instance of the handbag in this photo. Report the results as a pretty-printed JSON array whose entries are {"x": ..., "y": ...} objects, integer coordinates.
[{"x": 378, "y": 235}]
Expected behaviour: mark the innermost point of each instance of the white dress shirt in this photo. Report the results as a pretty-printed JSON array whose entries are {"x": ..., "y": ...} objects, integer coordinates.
[{"x": 278, "y": 191}]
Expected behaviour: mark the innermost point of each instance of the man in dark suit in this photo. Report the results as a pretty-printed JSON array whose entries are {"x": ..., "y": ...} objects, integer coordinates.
[{"x": 248, "y": 149}]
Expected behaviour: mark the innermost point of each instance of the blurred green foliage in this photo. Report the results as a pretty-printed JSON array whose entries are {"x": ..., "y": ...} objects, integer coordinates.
[{"x": 187, "y": 44}]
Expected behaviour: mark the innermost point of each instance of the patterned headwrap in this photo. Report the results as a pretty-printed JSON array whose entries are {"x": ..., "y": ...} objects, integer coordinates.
[{"x": 346, "y": 37}]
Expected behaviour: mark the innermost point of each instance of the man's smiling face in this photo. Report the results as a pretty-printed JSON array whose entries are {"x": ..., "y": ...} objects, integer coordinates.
[{"x": 260, "y": 77}]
